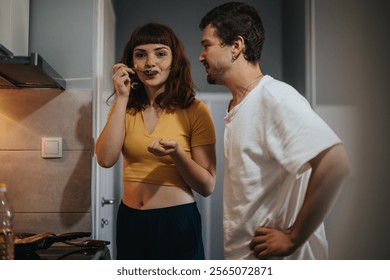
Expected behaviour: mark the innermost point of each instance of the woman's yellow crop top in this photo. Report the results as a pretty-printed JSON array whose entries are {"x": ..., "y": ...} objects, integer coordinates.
[{"x": 190, "y": 127}]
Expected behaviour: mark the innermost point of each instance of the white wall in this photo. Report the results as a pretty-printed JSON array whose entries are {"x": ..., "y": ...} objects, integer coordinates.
[{"x": 349, "y": 91}]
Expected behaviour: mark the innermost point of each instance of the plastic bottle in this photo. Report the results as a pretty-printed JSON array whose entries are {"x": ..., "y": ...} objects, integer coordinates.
[{"x": 6, "y": 226}]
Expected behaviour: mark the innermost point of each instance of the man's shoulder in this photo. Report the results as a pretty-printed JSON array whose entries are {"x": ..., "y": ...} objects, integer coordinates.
[{"x": 275, "y": 86}]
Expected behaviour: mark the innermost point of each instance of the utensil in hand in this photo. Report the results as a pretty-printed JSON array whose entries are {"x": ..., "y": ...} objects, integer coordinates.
[{"x": 135, "y": 81}]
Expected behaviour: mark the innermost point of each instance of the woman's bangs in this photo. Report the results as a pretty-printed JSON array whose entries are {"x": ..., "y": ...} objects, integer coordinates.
[{"x": 152, "y": 36}]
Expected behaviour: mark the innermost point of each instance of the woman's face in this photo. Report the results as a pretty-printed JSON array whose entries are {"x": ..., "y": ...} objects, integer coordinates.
[{"x": 153, "y": 57}]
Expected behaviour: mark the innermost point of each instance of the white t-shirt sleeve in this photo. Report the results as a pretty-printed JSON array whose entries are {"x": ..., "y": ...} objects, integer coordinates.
[{"x": 295, "y": 133}]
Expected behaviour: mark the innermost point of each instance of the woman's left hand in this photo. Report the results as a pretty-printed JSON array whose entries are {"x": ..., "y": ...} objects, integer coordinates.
[{"x": 160, "y": 147}]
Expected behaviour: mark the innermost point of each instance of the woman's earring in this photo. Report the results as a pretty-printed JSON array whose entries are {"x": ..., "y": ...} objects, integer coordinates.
[
  {"x": 135, "y": 83},
  {"x": 233, "y": 57}
]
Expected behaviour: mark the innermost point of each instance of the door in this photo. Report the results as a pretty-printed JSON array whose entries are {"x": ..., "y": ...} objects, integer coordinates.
[
  {"x": 107, "y": 198},
  {"x": 105, "y": 182},
  {"x": 210, "y": 208}
]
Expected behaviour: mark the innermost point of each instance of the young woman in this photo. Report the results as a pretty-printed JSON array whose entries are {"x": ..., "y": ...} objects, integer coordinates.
[{"x": 167, "y": 139}]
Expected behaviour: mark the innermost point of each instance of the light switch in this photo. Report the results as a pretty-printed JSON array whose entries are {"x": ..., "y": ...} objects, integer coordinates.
[{"x": 51, "y": 147}]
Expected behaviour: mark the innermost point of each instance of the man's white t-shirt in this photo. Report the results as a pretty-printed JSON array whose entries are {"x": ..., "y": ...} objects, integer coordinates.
[{"x": 269, "y": 139}]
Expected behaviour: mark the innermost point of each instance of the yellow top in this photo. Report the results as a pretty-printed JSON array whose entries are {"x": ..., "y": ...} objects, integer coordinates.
[{"x": 190, "y": 127}]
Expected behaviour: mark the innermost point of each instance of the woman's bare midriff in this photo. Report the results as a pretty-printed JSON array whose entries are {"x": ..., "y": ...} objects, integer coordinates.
[{"x": 138, "y": 195}]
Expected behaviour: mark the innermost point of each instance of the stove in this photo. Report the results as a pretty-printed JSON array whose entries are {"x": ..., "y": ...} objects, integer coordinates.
[
  {"x": 66, "y": 252},
  {"x": 49, "y": 246}
]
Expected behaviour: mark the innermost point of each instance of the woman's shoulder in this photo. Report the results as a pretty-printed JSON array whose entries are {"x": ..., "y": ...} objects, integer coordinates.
[
  {"x": 197, "y": 104},
  {"x": 197, "y": 110},
  {"x": 198, "y": 107}
]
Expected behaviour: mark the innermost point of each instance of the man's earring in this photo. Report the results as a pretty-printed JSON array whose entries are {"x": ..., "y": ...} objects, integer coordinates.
[{"x": 233, "y": 58}]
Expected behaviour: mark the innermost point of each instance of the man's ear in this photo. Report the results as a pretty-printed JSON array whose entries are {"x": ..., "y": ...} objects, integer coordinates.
[{"x": 238, "y": 47}]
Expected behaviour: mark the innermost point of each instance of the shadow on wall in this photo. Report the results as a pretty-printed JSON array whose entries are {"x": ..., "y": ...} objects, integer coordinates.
[
  {"x": 76, "y": 197},
  {"x": 363, "y": 225}
]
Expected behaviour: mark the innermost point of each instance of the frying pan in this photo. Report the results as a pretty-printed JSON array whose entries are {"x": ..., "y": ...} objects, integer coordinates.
[{"x": 45, "y": 242}]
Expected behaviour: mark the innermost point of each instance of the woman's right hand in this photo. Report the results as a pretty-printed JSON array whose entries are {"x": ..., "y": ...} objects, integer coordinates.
[{"x": 121, "y": 79}]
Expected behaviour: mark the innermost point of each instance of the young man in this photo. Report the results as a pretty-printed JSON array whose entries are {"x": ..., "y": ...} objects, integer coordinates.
[{"x": 284, "y": 166}]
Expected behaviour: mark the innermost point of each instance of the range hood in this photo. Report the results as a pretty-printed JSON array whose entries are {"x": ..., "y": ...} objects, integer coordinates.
[{"x": 27, "y": 72}]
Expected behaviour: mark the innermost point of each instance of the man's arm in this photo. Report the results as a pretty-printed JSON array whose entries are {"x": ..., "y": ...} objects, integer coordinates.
[{"x": 329, "y": 169}]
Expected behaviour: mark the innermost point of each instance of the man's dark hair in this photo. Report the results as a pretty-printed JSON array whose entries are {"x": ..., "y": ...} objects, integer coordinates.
[{"x": 234, "y": 19}]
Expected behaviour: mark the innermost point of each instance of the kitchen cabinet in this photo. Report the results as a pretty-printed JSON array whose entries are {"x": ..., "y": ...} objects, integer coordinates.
[{"x": 14, "y": 25}]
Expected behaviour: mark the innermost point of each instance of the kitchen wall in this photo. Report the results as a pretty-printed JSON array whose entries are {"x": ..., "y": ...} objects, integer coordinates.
[
  {"x": 47, "y": 194},
  {"x": 52, "y": 194}
]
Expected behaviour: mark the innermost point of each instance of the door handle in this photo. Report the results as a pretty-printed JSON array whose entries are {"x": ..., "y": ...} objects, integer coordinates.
[{"x": 107, "y": 201}]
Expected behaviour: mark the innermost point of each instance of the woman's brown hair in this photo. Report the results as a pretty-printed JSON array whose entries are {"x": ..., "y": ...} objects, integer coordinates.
[{"x": 179, "y": 88}]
